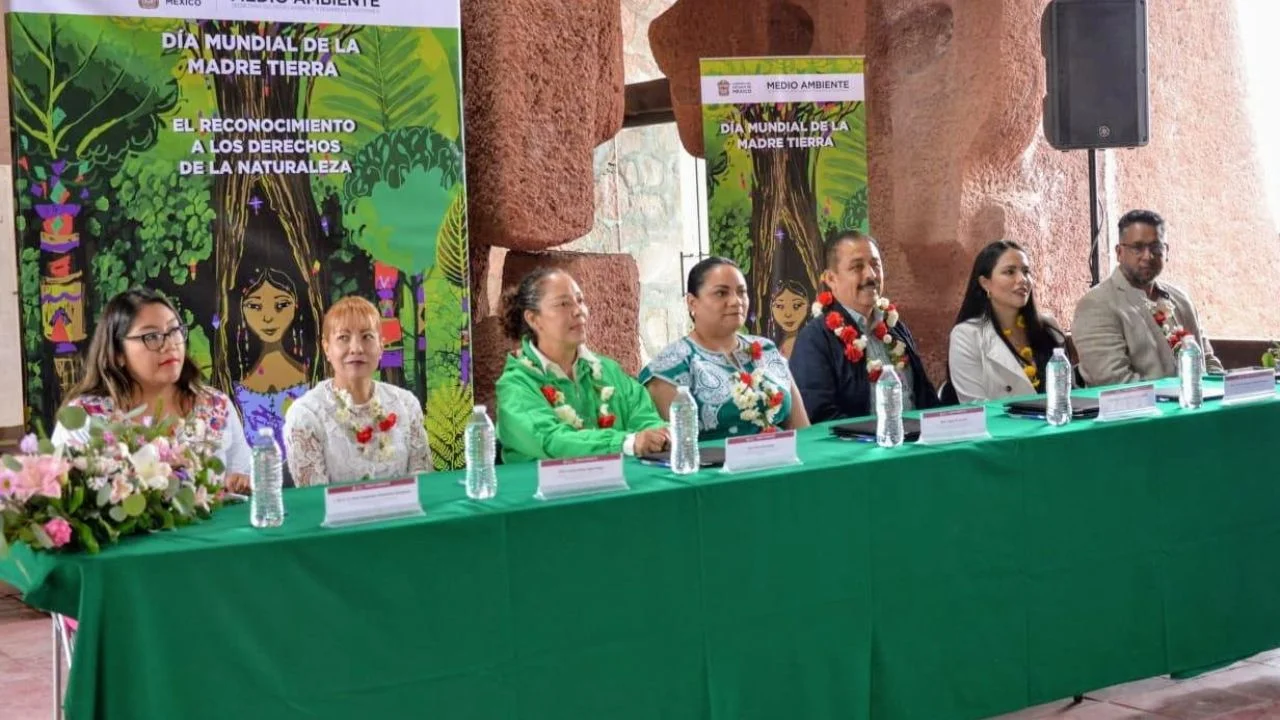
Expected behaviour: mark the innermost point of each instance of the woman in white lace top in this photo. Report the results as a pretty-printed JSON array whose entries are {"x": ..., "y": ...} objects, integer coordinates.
[{"x": 352, "y": 427}]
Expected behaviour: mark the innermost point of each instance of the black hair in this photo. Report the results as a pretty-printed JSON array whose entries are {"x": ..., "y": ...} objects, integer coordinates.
[
  {"x": 1146, "y": 217},
  {"x": 836, "y": 238},
  {"x": 698, "y": 273},
  {"x": 977, "y": 304},
  {"x": 524, "y": 296}
]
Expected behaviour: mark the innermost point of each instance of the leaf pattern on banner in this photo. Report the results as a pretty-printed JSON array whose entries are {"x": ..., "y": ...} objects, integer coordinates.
[
  {"x": 451, "y": 243},
  {"x": 448, "y": 409}
]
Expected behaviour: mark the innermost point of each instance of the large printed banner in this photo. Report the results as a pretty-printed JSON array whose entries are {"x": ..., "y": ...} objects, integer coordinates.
[
  {"x": 255, "y": 160},
  {"x": 786, "y": 163}
]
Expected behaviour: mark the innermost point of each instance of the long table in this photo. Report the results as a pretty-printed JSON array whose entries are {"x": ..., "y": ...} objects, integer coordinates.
[{"x": 942, "y": 582}]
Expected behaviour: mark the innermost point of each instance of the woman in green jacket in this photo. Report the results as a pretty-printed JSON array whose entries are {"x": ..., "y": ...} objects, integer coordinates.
[{"x": 556, "y": 398}]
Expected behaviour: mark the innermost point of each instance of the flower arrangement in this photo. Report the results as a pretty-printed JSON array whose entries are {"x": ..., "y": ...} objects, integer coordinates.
[
  {"x": 115, "y": 477},
  {"x": 372, "y": 437},
  {"x": 605, "y": 418},
  {"x": 1162, "y": 312},
  {"x": 855, "y": 345},
  {"x": 757, "y": 400}
]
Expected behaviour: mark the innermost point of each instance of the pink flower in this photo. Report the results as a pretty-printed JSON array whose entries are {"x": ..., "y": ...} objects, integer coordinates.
[
  {"x": 59, "y": 531},
  {"x": 108, "y": 438},
  {"x": 40, "y": 475},
  {"x": 8, "y": 482}
]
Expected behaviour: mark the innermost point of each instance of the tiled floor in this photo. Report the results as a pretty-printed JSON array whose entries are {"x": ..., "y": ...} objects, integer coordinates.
[{"x": 1248, "y": 690}]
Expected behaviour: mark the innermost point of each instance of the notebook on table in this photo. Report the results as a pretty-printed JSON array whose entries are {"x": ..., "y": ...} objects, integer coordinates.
[
  {"x": 866, "y": 430},
  {"x": 1081, "y": 407},
  {"x": 708, "y": 457}
]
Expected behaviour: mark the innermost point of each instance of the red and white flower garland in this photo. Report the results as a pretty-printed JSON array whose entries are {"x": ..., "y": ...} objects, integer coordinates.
[
  {"x": 855, "y": 345},
  {"x": 1162, "y": 312},
  {"x": 364, "y": 435},
  {"x": 565, "y": 412},
  {"x": 758, "y": 402}
]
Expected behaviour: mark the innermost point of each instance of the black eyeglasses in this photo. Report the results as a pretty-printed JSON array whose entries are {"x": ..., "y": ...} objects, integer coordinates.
[
  {"x": 155, "y": 341},
  {"x": 1157, "y": 249}
]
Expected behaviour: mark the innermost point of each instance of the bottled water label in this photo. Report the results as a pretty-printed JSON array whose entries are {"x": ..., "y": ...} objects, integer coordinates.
[
  {"x": 685, "y": 458},
  {"x": 481, "y": 480},
  {"x": 266, "y": 506}
]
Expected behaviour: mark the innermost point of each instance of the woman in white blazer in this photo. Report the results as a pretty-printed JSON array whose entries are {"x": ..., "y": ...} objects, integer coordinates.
[{"x": 1000, "y": 343}]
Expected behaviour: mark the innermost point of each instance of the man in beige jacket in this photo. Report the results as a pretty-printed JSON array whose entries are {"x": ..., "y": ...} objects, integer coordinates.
[{"x": 1127, "y": 327}]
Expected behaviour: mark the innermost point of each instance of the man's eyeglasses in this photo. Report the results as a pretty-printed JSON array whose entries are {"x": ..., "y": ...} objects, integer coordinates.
[
  {"x": 1157, "y": 249},
  {"x": 155, "y": 341}
]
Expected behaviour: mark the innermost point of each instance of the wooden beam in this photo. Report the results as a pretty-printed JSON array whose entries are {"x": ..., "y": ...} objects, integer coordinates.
[{"x": 648, "y": 103}]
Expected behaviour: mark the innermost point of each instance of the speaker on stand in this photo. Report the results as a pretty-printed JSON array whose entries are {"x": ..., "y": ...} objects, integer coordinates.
[{"x": 1096, "y": 93}]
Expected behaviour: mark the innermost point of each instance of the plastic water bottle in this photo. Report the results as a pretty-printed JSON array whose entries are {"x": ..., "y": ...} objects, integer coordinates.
[
  {"x": 266, "y": 506},
  {"x": 481, "y": 479},
  {"x": 1190, "y": 374},
  {"x": 1058, "y": 372},
  {"x": 684, "y": 433},
  {"x": 888, "y": 408}
]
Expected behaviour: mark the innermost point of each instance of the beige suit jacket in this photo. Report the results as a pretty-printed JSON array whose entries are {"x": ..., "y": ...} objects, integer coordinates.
[{"x": 1118, "y": 340}]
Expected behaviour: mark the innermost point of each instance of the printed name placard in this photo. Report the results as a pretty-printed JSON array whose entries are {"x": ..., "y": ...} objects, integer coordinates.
[
  {"x": 1249, "y": 385},
  {"x": 1130, "y": 402},
  {"x": 758, "y": 452},
  {"x": 580, "y": 476},
  {"x": 945, "y": 426},
  {"x": 371, "y": 501}
]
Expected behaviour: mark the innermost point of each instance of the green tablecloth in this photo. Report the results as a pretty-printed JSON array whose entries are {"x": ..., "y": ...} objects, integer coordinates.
[{"x": 921, "y": 582}]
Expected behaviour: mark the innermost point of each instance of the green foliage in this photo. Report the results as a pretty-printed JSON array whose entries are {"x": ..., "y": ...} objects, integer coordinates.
[
  {"x": 390, "y": 157},
  {"x": 731, "y": 235},
  {"x": 447, "y": 411},
  {"x": 855, "y": 214},
  {"x": 85, "y": 94},
  {"x": 402, "y": 78},
  {"x": 843, "y": 168},
  {"x": 451, "y": 243},
  {"x": 32, "y": 326},
  {"x": 392, "y": 228}
]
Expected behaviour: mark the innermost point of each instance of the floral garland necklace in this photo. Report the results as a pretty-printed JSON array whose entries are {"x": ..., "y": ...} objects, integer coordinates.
[
  {"x": 1025, "y": 355},
  {"x": 758, "y": 402},
  {"x": 374, "y": 437},
  {"x": 855, "y": 345},
  {"x": 565, "y": 412},
  {"x": 1162, "y": 313}
]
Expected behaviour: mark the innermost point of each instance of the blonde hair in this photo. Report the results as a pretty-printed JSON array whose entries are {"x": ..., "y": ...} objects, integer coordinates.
[{"x": 351, "y": 312}]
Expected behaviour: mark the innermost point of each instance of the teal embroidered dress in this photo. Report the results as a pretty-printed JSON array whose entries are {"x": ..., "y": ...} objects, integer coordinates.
[
  {"x": 532, "y": 428},
  {"x": 710, "y": 376}
]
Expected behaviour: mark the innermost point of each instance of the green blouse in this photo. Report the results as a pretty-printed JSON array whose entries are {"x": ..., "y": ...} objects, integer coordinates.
[{"x": 531, "y": 427}]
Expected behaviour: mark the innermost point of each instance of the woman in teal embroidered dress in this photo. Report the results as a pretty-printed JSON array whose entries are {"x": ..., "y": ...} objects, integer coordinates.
[
  {"x": 741, "y": 382},
  {"x": 556, "y": 398}
]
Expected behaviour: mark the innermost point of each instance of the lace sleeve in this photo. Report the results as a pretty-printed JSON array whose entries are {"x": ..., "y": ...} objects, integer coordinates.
[
  {"x": 304, "y": 441},
  {"x": 419, "y": 448}
]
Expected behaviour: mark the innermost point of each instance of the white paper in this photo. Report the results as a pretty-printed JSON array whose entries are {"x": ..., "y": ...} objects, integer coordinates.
[
  {"x": 944, "y": 426},
  {"x": 1130, "y": 402},
  {"x": 1249, "y": 385},
  {"x": 580, "y": 476},
  {"x": 758, "y": 452},
  {"x": 371, "y": 501}
]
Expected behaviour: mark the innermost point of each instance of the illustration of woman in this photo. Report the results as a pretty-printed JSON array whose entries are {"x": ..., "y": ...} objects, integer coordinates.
[
  {"x": 789, "y": 308},
  {"x": 268, "y": 332}
]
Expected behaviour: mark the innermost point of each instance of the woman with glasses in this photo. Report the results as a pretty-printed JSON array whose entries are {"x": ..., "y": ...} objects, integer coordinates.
[
  {"x": 556, "y": 398},
  {"x": 352, "y": 427},
  {"x": 138, "y": 360}
]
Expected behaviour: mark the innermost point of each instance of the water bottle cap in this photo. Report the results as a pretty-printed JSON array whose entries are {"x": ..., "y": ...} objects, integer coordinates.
[
  {"x": 479, "y": 409},
  {"x": 266, "y": 432},
  {"x": 1060, "y": 352}
]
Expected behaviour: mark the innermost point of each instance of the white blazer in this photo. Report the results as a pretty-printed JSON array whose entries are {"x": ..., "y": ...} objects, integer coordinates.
[{"x": 982, "y": 366}]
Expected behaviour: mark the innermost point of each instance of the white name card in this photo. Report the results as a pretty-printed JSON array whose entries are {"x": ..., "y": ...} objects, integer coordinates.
[
  {"x": 1129, "y": 402},
  {"x": 761, "y": 451},
  {"x": 945, "y": 426},
  {"x": 371, "y": 501},
  {"x": 1249, "y": 385},
  {"x": 580, "y": 476}
]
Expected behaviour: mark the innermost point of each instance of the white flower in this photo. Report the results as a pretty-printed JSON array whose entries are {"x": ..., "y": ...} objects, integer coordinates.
[
  {"x": 860, "y": 343},
  {"x": 202, "y": 498},
  {"x": 891, "y": 318},
  {"x": 604, "y": 409},
  {"x": 882, "y": 303},
  {"x": 815, "y": 309},
  {"x": 566, "y": 414},
  {"x": 873, "y": 365},
  {"x": 560, "y": 398},
  {"x": 97, "y": 483},
  {"x": 81, "y": 463},
  {"x": 596, "y": 371},
  {"x": 526, "y": 361},
  {"x": 150, "y": 471},
  {"x": 606, "y": 393},
  {"x": 120, "y": 489}
]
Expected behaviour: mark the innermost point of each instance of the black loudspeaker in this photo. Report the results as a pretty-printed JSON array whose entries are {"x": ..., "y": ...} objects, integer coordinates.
[{"x": 1095, "y": 54}]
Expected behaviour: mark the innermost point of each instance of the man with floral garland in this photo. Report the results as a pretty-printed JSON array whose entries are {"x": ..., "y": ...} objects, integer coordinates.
[
  {"x": 1129, "y": 327},
  {"x": 855, "y": 332}
]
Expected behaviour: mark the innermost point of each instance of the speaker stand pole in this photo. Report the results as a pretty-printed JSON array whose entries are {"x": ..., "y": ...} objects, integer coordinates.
[{"x": 1095, "y": 230}]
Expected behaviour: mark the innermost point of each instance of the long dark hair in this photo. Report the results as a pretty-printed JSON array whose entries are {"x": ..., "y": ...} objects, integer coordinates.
[
  {"x": 977, "y": 304},
  {"x": 250, "y": 345},
  {"x": 104, "y": 373}
]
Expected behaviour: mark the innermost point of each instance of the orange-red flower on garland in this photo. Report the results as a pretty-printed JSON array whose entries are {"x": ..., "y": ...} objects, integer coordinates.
[
  {"x": 549, "y": 393},
  {"x": 365, "y": 435},
  {"x": 387, "y": 422},
  {"x": 757, "y": 351},
  {"x": 825, "y": 298},
  {"x": 834, "y": 321},
  {"x": 606, "y": 421}
]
